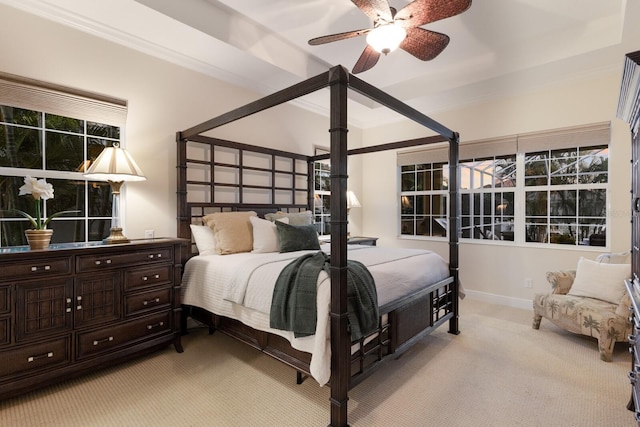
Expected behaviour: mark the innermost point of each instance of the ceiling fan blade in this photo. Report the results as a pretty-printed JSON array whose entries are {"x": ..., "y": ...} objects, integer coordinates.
[
  {"x": 367, "y": 60},
  {"x": 420, "y": 12},
  {"x": 339, "y": 36},
  {"x": 374, "y": 9},
  {"x": 424, "y": 44}
]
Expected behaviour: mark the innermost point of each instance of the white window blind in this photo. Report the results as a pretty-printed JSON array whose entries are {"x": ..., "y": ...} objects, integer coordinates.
[
  {"x": 35, "y": 95},
  {"x": 577, "y": 136}
]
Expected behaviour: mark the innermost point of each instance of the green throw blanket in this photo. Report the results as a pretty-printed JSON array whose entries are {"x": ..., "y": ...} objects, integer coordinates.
[{"x": 293, "y": 307}]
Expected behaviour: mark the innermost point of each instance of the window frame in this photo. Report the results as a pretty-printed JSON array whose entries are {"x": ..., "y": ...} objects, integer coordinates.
[{"x": 577, "y": 139}]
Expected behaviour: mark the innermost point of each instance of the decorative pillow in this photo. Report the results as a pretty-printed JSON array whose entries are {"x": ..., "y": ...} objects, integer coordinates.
[
  {"x": 600, "y": 280},
  {"x": 205, "y": 239},
  {"x": 615, "y": 258},
  {"x": 265, "y": 235},
  {"x": 295, "y": 218},
  {"x": 233, "y": 231},
  {"x": 297, "y": 237}
]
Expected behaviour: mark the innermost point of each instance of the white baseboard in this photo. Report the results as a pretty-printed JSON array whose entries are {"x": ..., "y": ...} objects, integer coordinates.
[{"x": 524, "y": 304}]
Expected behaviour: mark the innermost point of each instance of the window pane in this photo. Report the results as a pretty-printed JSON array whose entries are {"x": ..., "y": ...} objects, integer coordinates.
[
  {"x": 64, "y": 152},
  {"x": 67, "y": 195},
  {"x": 593, "y": 166},
  {"x": 19, "y": 116},
  {"x": 537, "y": 232},
  {"x": 100, "y": 199},
  {"x": 536, "y": 204},
  {"x": 407, "y": 203},
  {"x": 423, "y": 181},
  {"x": 105, "y": 131},
  {"x": 407, "y": 225},
  {"x": 64, "y": 123},
  {"x": 593, "y": 203},
  {"x": 439, "y": 177},
  {"x": 408, "y": 181},
  {"x": 562, "y": 203},
  {"x": 536, "y": 169},
  {"x": 20, "y": 147},
  {"x": 422, "y": 205}
]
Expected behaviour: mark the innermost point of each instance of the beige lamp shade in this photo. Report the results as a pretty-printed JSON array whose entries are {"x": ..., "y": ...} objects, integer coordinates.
[
  {"x": 114, "y": 164},
  {"x": 352, "y": 200}
]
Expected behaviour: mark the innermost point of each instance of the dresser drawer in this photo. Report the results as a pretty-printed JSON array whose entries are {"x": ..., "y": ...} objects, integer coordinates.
[
  {"x": 146, "y": 301},
  {"x": 5, "y": 299},
  {"x": 95, "y": 262},
  {"x": 5, "y": 330},
  {"x": 35, "y": 268},
  {"x": 55, "y": 352},
  {"x": 106, "y": 339},
  {"x": 136, "y": 278}
]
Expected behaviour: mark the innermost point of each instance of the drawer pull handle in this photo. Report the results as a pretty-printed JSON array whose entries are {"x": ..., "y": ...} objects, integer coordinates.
[
  {"x": 99, "y": 262},
  {"x": 155, "y": 276},
  {"x": 40, "y": 356},
  {"x": 151, "y": 301},
  {"x": 152, "y": 256},
  {"x": 68, "y": 300},
  {"x": 44, "y": 267},
  {"x": 154, "y": 326},
  {"x": 96, "y": 342},
  {"x": 78, "y": 307},
  {"x": 68, "y": 309}
]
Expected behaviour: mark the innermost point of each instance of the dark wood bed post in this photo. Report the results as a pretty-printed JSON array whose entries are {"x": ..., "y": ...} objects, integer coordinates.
[
  {"x": 454, "y": 227},
  {"x": 340, "y": 347},
  {"x": 184, "y": 217}
]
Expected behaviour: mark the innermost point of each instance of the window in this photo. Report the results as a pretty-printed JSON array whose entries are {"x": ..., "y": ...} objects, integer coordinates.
[
  {"x": 561, "y": 186},
  {"x": 322, "y": 197},
  {"x": 39, "y": 138},
  {"x": 423, "y": 200},
  {"x": 488, "y": 198},
  {"x": 566, "y": 196}
]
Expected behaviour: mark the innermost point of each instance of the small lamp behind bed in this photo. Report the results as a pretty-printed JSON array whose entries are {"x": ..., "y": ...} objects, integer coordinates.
[
  {"x": 115, "y": 165},
  {"x": 352, "y": 202}
]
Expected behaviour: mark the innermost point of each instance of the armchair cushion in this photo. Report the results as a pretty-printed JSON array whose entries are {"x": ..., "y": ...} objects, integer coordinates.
[
  {"x": 602, "y": 281},
  {"x": 561, "y": 281}
]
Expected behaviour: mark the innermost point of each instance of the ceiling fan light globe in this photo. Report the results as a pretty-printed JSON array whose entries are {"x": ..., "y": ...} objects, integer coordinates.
[{"x": 386, "y": 38}]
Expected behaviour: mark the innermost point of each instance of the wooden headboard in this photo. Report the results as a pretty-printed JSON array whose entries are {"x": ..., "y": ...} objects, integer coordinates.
[{"x": 216, "y": 175}]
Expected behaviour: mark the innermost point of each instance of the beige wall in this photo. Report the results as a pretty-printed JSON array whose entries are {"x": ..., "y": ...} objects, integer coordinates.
[
  {"x": 163, "y": 98},
  {"x": 493, "y": 270}
]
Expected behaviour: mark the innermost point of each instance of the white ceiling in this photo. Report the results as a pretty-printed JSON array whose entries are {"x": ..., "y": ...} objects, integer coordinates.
[{"x": 497, "y": 47}]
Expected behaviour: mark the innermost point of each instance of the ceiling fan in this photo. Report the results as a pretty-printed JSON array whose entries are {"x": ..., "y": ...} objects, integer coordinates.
[{"x": 392, "y": 29}]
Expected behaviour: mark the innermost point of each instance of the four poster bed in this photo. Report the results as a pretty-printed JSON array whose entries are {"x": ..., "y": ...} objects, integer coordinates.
[{"x": 220, "y": 176}]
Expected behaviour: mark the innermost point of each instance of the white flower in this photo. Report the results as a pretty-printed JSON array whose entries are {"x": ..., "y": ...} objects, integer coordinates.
[{"x": 38, "y": 188}]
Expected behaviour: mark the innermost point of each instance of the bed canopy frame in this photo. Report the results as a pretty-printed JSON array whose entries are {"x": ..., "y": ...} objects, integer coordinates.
[{"x": 339, "y": 81}]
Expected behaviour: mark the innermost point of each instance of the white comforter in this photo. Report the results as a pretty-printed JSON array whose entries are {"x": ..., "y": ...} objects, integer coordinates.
[{"x": 240, "y": 286}]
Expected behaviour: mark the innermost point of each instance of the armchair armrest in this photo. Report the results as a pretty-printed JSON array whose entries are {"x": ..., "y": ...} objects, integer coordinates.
[{"x": 561, "y": 281}]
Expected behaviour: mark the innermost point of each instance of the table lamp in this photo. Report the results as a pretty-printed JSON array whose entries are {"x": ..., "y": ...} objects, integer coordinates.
[{"x": 115, "y": 165}]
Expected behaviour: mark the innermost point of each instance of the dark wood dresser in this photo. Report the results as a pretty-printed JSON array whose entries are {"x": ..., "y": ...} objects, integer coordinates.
[
  {"x": 633, "y": 288},
  {"x": 76, "y": 308}
]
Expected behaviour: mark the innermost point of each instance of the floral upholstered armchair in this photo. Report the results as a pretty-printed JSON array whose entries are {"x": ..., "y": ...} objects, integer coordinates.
[{"x": 591, "y": 301}]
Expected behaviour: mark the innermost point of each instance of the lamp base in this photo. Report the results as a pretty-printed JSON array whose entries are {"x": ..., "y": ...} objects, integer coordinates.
[{"x": 116, "y": 236}]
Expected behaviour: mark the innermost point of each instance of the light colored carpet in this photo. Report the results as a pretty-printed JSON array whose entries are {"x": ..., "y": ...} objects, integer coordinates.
[{"x": 497, "y": 372}]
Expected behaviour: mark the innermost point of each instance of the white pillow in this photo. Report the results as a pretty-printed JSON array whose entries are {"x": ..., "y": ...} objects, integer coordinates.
[
  {"x": 265, "y": 235},
  {"x": 205, "y": 238},
  {"x": 600, "y": 280}
]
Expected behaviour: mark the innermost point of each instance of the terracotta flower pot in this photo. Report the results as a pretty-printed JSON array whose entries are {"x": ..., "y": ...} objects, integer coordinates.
[{"x": 38, "y": 239}]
